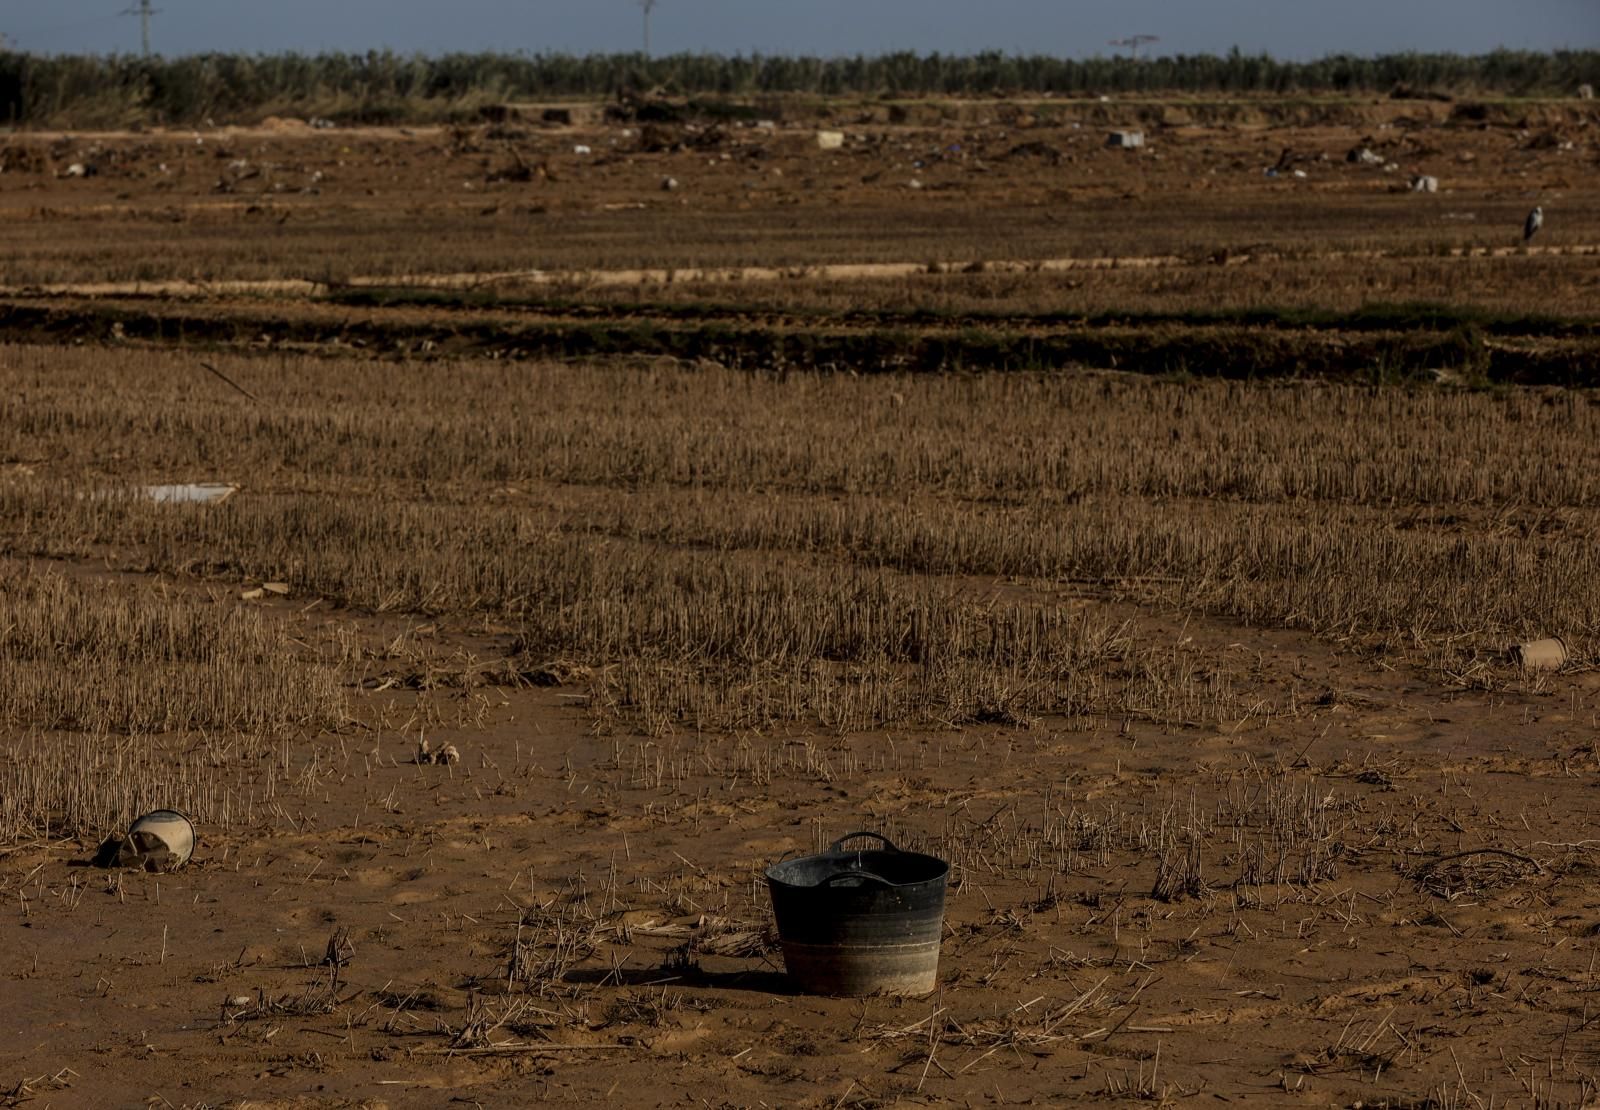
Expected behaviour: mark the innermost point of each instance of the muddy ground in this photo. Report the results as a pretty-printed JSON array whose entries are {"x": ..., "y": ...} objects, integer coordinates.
[{"x": 1391, "y": 898}]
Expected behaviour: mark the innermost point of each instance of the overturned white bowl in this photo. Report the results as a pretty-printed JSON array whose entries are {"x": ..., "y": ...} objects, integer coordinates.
[{"x": 162, "y": 840}]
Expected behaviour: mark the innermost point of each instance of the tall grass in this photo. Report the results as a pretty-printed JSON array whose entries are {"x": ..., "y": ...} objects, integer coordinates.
[{"x": 381, "y": 86}]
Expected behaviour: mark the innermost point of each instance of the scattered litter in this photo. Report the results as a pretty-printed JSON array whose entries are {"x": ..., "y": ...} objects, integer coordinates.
[
  {"x": 1424, "y": 183},
  {"x": 669, "y": 184},
  {"x": 79, "y": 169},
  {"x": 582, "y": 148},
  {"x": 322, "y": 123},
  {"x": 913, "y": 184},
  {"x": 1125, "y": 140},
  {"x": 159, "y": 841},
  {"x": 1545, "y": 140},
  {"x": 1540, "y": 655},
  {"x": 830, "y": 140},
  {"x": 256, "y": 593},
  {"x": 1035, "y": 149},
  {"x": 1301, "y": 174},
  {"x": 202, "y": 493},
  {"x": 1364, "y": 156},
  {"x": 1585, "y": 92}
]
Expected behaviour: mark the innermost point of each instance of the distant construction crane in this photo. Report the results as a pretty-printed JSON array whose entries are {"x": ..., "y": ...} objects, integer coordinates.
[
  {"x": 1133, "y": 42},
  {"x": 144, "y": 11},
  {"x": 647, "y": 6}
]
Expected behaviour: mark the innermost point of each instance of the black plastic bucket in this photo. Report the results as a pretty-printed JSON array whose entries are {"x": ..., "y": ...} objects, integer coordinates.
[{"x": 864, "y": 922}]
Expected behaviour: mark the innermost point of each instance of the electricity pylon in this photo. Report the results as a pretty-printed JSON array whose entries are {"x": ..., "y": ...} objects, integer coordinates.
[
  {"x": 646, "y": 6},
  {"x": 144, "y": 11}
]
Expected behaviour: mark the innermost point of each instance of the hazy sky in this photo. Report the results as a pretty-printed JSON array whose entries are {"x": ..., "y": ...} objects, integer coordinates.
[{"x": 1287, "y": 28}]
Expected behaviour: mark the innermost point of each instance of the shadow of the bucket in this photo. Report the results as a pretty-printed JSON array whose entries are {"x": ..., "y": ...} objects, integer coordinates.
[{"x": 757, "y": 980}]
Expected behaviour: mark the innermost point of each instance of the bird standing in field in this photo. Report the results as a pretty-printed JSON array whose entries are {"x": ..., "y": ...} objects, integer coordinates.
[{"x": 1535, "y": 222}]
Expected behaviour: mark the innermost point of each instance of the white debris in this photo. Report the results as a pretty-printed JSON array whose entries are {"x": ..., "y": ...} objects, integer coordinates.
[
  {"x": 1585, "y": 92},
  {"x": 1364, "y": 156},
  {"x": 582, "y": 148},
  {"x": 830, "y": 140},
  {"x": 1125, "y": 140},
  {"x": 669, "y": 184},
  {"x": 1424, "y": 183},
  {"x": 203, "y": 493},
  {"x": 447, "y": 755}
]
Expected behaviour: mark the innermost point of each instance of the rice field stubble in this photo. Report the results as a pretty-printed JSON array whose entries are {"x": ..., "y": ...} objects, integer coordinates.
[{"x": 1199, "y": 685}]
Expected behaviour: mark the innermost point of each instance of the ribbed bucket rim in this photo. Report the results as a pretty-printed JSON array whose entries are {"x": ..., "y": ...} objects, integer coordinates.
[{"x": 835, "y": 851}]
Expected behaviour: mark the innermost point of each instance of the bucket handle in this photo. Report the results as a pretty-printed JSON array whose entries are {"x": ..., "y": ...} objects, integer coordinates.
[
  {"x": 837, "y": 847},
  {"x": 833, "y": 880}
]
